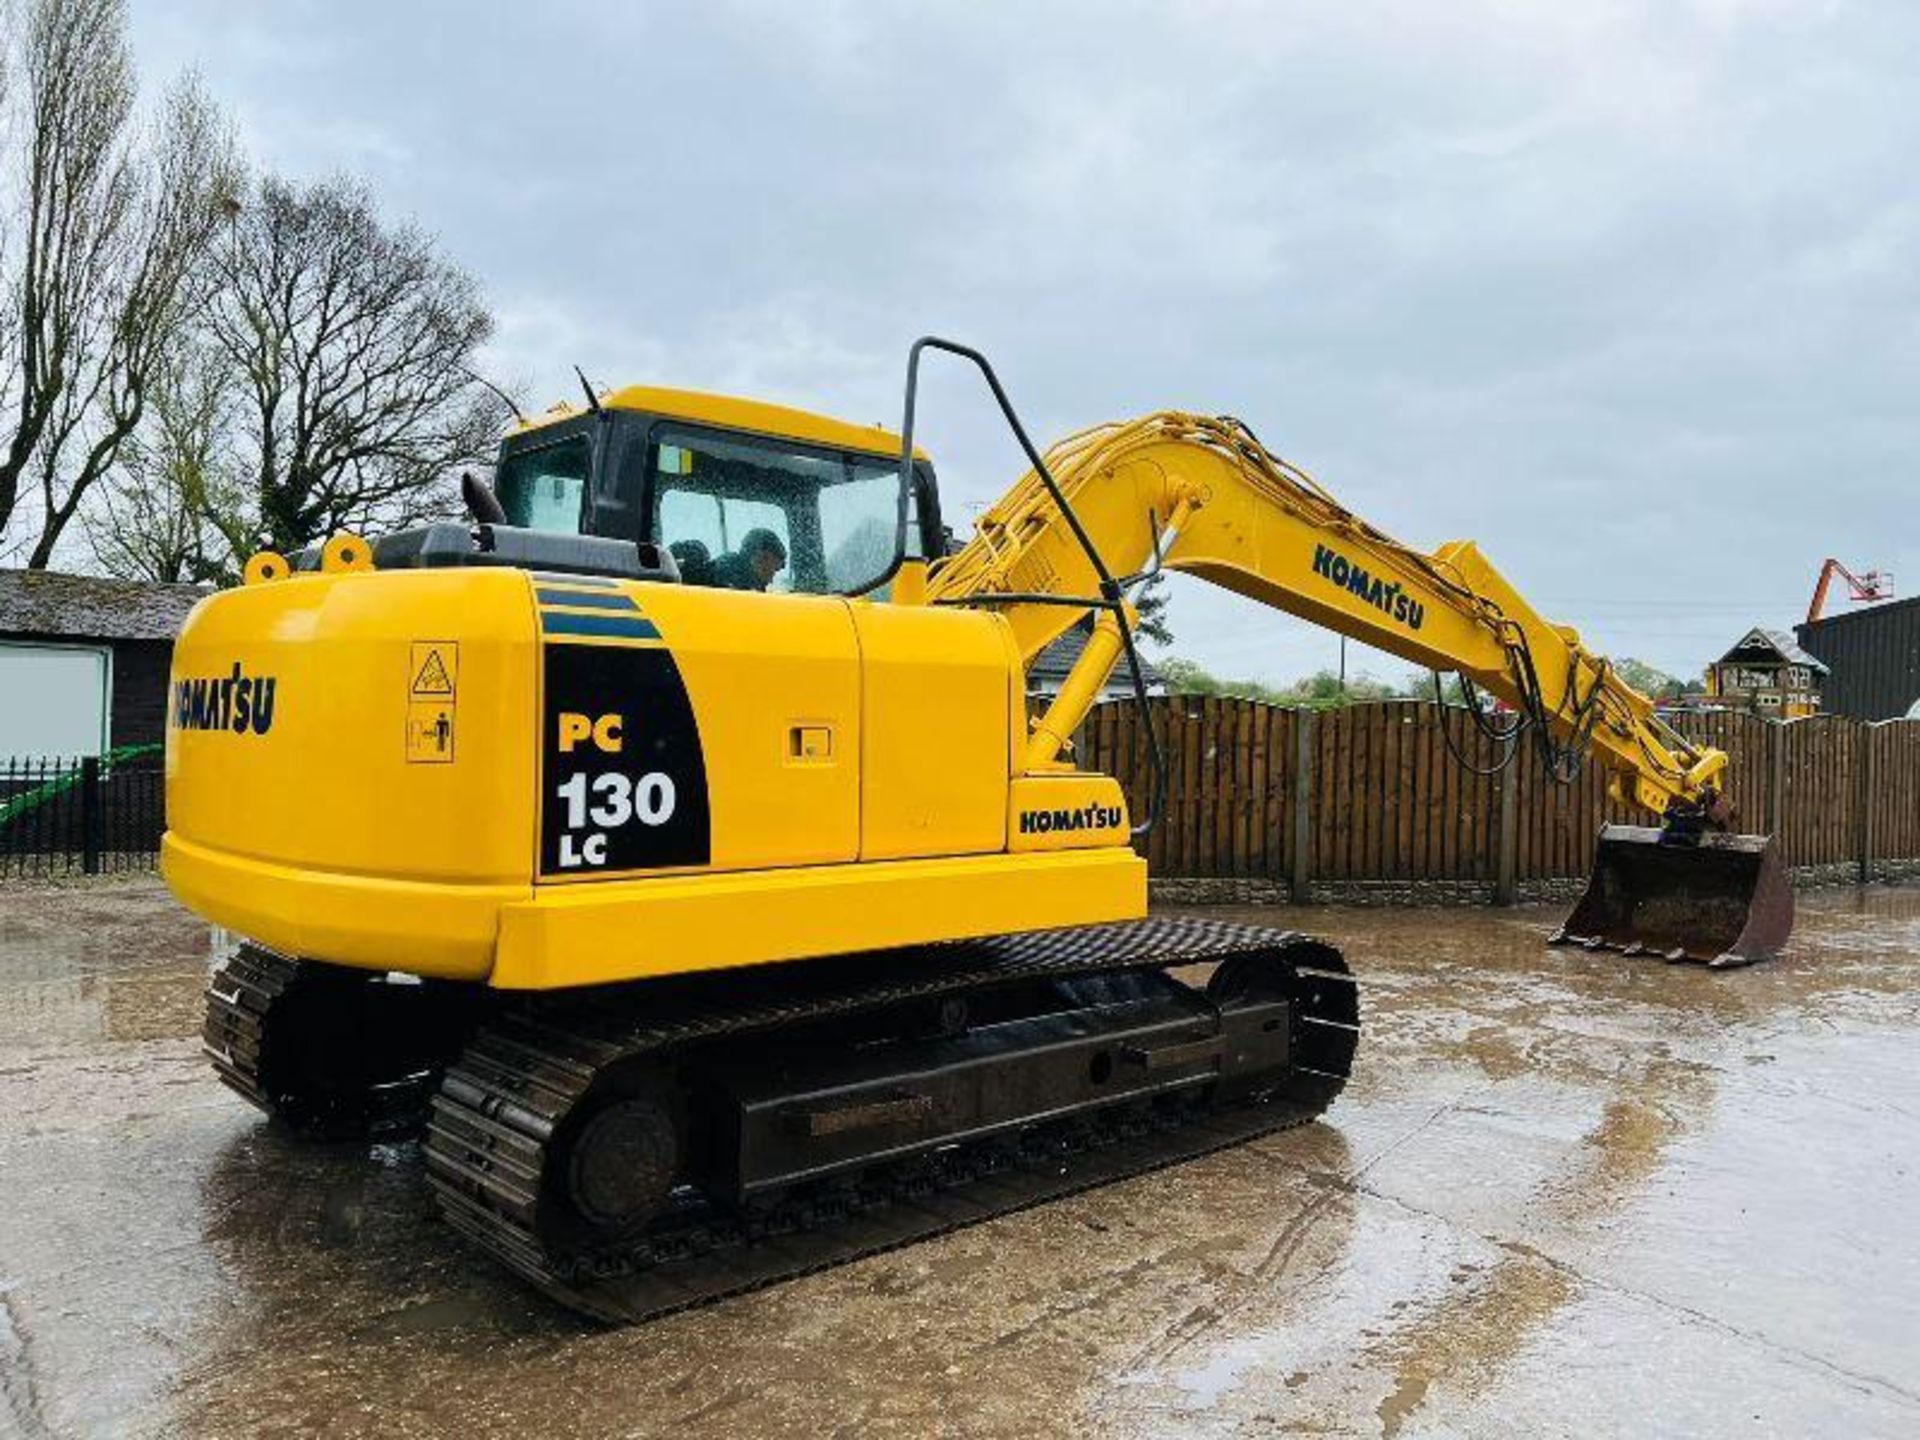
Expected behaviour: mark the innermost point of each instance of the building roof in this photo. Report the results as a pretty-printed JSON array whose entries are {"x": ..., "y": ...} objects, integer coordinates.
[
  {"x": 1871, "y": 615},
  {"x": 1051, "y": 665},
  {"x": 1786, "y": 651},
  {"x": 90, "y": 607}
]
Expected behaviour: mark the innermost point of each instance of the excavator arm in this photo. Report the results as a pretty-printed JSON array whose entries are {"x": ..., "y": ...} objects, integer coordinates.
[
  {"x": 1202, "y": 495},
  {"x": 1107, "y": 507}
]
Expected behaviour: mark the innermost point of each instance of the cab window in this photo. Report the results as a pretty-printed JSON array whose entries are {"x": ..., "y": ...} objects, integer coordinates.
[
  {"x": 859, "y": 523},
  {"x": 545, "y": 488},
  {"x": 744, "y": 513},
  {"x": 703, "y": 529}
]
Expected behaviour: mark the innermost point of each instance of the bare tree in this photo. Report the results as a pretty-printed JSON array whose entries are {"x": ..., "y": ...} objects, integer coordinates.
[
  {"x": 173, "y": 508},
  {"x": 352, "y": 343},
  {"x": 115, "y": 218}
]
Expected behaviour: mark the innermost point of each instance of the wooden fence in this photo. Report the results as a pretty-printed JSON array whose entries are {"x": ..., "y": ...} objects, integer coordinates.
[{"x": 1406, "y": 790}]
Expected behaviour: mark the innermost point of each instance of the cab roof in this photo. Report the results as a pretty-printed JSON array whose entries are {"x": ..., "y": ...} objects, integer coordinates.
[{"x": 731, "y": 412}]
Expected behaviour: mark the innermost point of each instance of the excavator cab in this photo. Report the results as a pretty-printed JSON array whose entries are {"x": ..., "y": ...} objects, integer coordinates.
[{"x": 696, "y": 475}]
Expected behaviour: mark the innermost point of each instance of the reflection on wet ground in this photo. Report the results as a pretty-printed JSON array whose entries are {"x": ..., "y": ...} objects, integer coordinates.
[{"x": 1567, "y": 1193}]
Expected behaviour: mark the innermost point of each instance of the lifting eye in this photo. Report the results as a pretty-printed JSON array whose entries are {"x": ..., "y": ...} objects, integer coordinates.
[
  {"x": 265, "y": 566},
  {"x": 345, "y": 551}
]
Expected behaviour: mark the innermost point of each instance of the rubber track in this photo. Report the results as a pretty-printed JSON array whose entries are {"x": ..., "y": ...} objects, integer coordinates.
[{"x": 501, "y": 1104}]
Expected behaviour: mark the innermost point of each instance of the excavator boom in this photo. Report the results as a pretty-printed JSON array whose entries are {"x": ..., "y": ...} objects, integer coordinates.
[{"x": 1202, "y": 495}]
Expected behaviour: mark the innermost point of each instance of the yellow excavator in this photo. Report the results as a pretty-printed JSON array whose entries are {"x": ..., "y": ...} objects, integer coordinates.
[{"x": 515, "y": 817}]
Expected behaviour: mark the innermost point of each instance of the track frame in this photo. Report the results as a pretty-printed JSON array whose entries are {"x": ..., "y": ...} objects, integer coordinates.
[{"x": 506, "y": 1112}]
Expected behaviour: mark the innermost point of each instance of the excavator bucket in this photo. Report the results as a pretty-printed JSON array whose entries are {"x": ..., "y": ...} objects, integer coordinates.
[{"x": 1719, "y": 899}]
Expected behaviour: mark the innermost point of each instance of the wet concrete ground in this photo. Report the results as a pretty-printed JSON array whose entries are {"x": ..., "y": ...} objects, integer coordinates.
[{"x": 1566, "y": 1194}]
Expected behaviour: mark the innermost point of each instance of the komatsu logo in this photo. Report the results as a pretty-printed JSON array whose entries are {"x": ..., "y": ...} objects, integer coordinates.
[
  {"x": 238, "y": 702},
  {"x": 1389, "y": 597},
  {"x": 1087, "y": 817}
]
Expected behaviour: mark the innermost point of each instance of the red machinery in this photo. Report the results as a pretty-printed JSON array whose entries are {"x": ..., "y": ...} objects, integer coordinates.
[{"x": 1873, "y": 585}]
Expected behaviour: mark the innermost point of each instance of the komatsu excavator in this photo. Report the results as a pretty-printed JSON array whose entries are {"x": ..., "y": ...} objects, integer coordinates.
[{"x": 672, "y": 843}]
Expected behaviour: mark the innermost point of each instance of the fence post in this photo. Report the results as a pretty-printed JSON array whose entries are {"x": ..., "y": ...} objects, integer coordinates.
[
  {"x": 12, "y": 782},
  {"x": 90, "y": 814},
  {"x": 1777, "y": 777},
  {"x": 1300, "y": 882},
  {"x": 1863, "y": 798},
  {"x": 1505, "y": 878}
]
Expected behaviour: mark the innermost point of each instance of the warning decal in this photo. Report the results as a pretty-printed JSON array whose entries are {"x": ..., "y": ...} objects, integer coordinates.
[
  {"x": 432, "y": 691},
  {"x": 435, "y": 664},
  {"x": 429, "y": 733}
]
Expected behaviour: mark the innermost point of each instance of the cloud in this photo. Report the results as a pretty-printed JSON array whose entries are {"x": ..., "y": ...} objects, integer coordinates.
[{"x": 1625, "y": 291}]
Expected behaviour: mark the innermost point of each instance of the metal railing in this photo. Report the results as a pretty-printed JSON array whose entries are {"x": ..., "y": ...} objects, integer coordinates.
[{"x": 90, "y": 815}]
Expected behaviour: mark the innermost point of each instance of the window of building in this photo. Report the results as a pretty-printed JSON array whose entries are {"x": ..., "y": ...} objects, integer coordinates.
[
  {"x": 1769, "y": 699},
  {"x": 71, "y": 686}
]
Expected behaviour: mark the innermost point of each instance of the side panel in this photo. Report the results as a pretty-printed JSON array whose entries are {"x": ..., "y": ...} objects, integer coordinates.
[
  {"x": 366, "y": 724},
  {"x": 625, "y": 779},
  {"x": 934, "y": 726},
  {"x": 686, "y": 728}
]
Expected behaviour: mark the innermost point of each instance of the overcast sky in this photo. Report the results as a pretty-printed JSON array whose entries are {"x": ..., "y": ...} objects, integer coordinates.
[{"x": 1626, "y": 292}]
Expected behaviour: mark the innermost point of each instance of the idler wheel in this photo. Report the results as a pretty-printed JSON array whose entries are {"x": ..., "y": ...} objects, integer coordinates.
[
  {"x": 625, "y": 1152},
  {"x": 624, "y": 1163}
]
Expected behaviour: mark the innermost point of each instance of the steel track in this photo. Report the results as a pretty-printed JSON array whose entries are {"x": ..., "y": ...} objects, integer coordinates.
[
  {"x": 257, "y": 1002},
  {"x": 499, "y": 1108}
]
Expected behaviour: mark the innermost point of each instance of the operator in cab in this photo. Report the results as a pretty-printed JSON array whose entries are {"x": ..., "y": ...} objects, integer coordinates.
[{"x": 760, "y": 557}]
